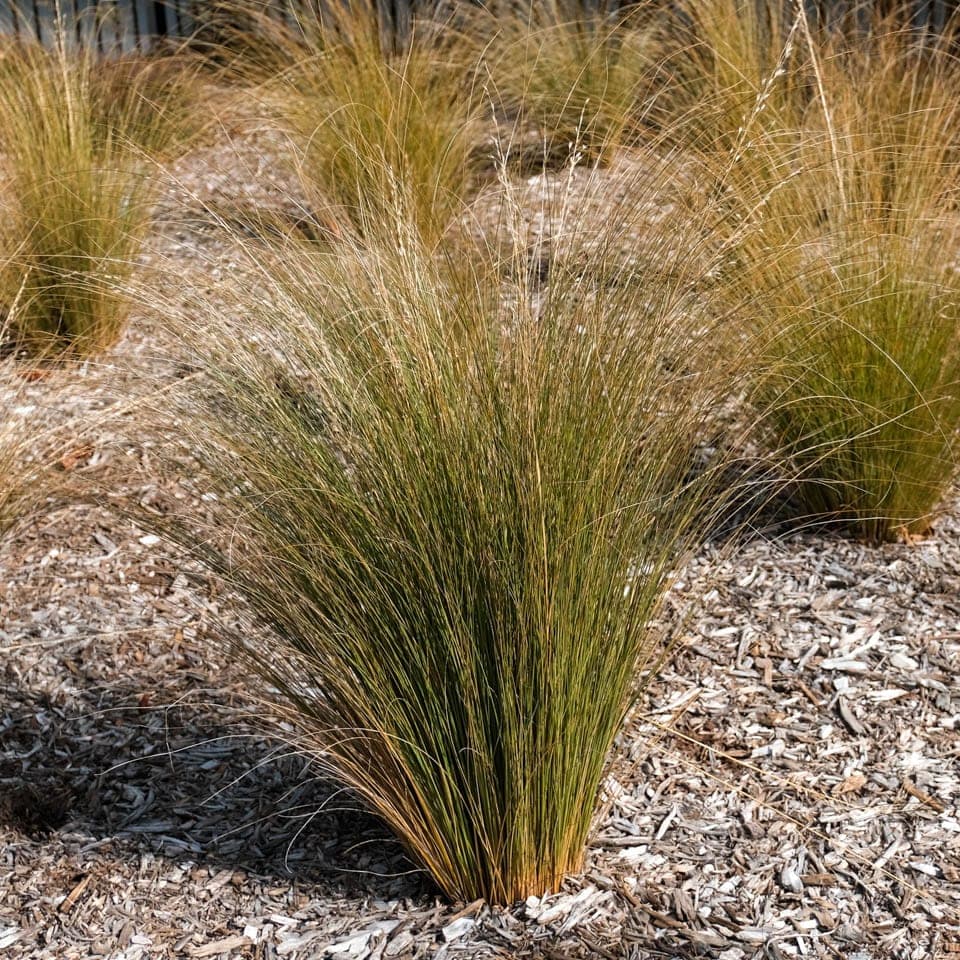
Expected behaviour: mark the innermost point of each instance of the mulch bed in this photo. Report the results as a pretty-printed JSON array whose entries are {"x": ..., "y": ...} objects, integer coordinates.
[{"x": 787, "y": 787}]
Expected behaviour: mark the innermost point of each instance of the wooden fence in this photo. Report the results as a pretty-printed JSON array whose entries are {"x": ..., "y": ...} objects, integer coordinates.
[
  {"x": 128, "y": 25},
  {"x": 110, "y": 25}
]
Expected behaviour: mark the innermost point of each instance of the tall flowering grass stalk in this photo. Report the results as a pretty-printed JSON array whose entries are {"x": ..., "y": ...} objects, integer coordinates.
[{"x": 733, "y": 72}]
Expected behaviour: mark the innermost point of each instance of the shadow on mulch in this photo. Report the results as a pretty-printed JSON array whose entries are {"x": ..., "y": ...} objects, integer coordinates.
[
  {"x": 761, "y": 504},
  {"x": 191, "y": 781}
]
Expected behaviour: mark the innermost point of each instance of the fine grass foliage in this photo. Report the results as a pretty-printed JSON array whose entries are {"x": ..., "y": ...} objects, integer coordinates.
[
  {"x": 453, "y": 503},
  {"x": 732, "y": 70},
  {"x": 78, "y": 138},
  {"x": 377, "y": 130},
  {"x": 868, "y": 383},
  {"x": 31, "y": 444},
  {"x": 14, "y": 445},
  {"x": 581, "y": 74},
  {"x": 862, "y": 288}
]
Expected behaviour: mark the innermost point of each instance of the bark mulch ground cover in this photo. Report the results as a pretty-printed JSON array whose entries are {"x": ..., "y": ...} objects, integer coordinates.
[{"x": 788, "y": 787}]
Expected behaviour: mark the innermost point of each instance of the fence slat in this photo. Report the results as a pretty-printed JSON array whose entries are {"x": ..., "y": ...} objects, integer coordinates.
[
  {"x": 126, "y": 26},
  {"x": 145, "y": 18},
  {"x": 68, "y": 13},
  {"x": 87, "y": 23},
  {"x": 166, "y": 19},
  {"x": 185, "y": 17},
  {"x": 7, "y": 23},
  {"x": 45, "y": 16},
  {"x": 110, "y": 25}
]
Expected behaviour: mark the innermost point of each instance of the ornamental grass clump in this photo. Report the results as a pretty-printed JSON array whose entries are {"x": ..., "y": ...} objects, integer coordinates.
[
  {"x": 453, "y": 504},
  {"x": 374, "y": 128},
  {"x": 78, "y": 140},
  {"x": 580, "y": 73},
  {"x": 732, "y": 71},
  {"x": 859, "y": 243}
]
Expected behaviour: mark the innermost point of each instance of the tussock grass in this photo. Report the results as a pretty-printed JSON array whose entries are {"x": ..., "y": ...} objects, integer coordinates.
[
  {"x": 77, "y": 142},
  {"x": 862, "y": 289},
  {"x": 868, "y": 383},
  {"x": 581, "y": 74},
  {"x": 376, "y": 129},
  {"x": 454, "y": 503},
  {"x": 732, "y": 71},
  {"x": 159, "y": 104}
]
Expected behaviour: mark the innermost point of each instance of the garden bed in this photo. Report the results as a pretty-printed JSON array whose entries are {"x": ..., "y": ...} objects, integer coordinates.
[{"x": 787, "y": 787}]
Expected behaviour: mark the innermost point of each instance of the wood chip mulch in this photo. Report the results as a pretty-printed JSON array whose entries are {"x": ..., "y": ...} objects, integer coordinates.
[{"x": 788, "y": 787}]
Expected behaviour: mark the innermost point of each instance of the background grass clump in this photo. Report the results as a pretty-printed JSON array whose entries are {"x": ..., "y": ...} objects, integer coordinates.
[
  {"x": 862, "y": 287},
  {"x": 78, "y": 141},
  {"x": 379, "y": 130},
  {"x": 456, "y": 501},
  {"x": 730, "y": 66},
  {"x": 581, "y": 74}
]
